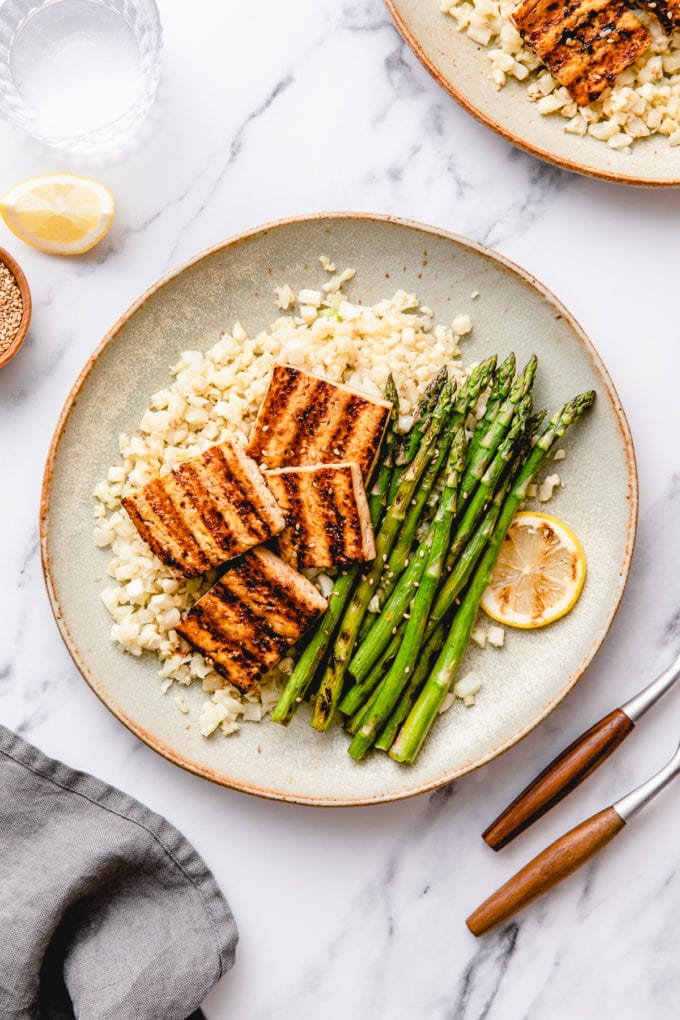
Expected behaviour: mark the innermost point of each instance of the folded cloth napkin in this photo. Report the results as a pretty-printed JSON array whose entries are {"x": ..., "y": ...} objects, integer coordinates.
[{"x": 107, "y": 911}]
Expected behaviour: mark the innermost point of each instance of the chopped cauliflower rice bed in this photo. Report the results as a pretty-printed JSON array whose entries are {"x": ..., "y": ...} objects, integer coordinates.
[
  {"x": 215, "y": 396},
  {"x": 644, "y": 101}
]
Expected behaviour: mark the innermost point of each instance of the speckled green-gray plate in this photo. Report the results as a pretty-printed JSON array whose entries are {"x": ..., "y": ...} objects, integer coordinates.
[
  {"x": 462, "y": 68},
  {"x": 235, "y": 281}
]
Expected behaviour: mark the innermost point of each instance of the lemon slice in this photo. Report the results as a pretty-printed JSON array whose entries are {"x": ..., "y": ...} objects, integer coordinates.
[
  {"x": 59, "y": 213},
  {"x": 539, "y": 573}
]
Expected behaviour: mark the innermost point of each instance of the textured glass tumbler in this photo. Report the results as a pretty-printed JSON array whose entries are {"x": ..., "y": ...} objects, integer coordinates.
[{"x": 79, "y": 75}]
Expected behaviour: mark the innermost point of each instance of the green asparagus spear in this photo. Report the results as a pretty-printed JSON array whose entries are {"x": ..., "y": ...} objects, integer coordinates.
[
  {"x": 356, "y": 697},
  {"x": 465, "y": 401},
  {"x": 414, "y": 517},
  {"x": 377, "y": 500},
  {"x": 500, "y": 388},
  {"x": 409, "y": 443},
  {"x": 353, "y": 725},
  {"x": 534, "y": 423},
  {"x": 408, "y": 695},
  {"x": 424, "y": 410},
  {"x": 480, "y": 458}
]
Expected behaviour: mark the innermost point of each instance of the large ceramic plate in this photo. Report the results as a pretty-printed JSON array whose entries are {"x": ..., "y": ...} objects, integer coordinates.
[
  {"x": 462, "y": 68},
  {"x": 235, "y": 281}
]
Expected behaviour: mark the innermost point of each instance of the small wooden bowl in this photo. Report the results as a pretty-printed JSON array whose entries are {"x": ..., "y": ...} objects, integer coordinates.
[{"x": 18, "y": 274}]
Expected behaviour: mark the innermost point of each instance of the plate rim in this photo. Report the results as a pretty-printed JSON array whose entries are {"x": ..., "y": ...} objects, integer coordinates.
[
  {"x": 206, "y": 772},
  {"x": 585, "y": 169}
]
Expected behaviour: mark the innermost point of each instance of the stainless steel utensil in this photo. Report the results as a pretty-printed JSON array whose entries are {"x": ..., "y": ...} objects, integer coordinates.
[
  {"x": 570, "y": 851},
  {"x": 573, "y": 765}
]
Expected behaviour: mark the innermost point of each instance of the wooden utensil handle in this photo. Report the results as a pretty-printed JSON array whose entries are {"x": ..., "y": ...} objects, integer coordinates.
[
  {"x": 560, "y": 777},
  {"x": 559, "y": 860}
]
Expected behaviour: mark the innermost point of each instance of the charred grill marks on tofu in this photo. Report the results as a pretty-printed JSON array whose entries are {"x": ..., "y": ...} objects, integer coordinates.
[
  {"x": 233, "y": 489},
  {"x": 277, "y": 595},
  {"x": 667, "y": 14},
  {"x": 327, "y": 515},
  {"x": 305, "y": 420},
  {"x": 341, "y": 437},
  {"x": 247, "y": 621},
  {"x": 584, "y": 43},
  {"x": 161, "y": 537},
  {"x": 206, "y": 511},
  {"x": 312, "y": 417}
]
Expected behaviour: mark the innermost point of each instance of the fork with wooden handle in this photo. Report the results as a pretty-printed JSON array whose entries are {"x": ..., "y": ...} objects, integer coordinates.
[
  {"x": 567, "y": 854},
  {"x": 576, "y": 763}
]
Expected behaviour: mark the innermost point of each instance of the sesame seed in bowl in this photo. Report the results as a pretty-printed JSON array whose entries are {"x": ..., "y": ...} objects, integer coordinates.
[{"x": 15, "y": 307}]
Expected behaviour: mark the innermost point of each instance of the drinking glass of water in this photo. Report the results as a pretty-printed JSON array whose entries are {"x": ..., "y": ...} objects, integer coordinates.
[{"x": 79, "y": 75}]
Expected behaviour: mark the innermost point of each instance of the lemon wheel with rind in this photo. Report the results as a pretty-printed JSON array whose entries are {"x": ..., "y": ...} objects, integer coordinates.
[{"x": 539, "y": 574}]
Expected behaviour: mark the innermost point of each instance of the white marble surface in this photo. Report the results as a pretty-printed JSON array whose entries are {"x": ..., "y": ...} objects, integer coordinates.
[{"x": 271, "y": 109}]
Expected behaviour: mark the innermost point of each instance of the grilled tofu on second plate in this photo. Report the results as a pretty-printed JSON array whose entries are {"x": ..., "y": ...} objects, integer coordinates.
[
  {"x": 584, "y": 43},
  {"x": 251, "y": 617},
  {"x": 327, "y": 516},
  {"x": 305, "y": 420},
  {"x": 206, "y": 511}
]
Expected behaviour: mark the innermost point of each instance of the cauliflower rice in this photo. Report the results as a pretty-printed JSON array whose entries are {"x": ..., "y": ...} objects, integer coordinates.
[
  {"x": 644, "y": 101},
  {"x": 215, "y": 396}
]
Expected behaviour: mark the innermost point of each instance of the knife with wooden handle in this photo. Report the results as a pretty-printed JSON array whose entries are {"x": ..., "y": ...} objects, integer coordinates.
[
  {"x": 563, "y": 857},
  {"x": 576, "y": 763}
]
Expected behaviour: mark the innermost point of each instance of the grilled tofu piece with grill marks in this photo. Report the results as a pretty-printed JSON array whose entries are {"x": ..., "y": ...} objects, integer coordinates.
[
  {"x": 305, "y": 420},
  {"x": 206, "y": 511},
  {"x": 327, "y": 516},
  {"x": 584, "y": 43},
  {"x": 247, "y": 621}
]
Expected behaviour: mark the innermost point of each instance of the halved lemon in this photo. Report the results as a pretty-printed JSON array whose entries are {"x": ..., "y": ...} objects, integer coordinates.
[
  {"x": 59, "y": 213},
  {"x": 539, "y": 573}
]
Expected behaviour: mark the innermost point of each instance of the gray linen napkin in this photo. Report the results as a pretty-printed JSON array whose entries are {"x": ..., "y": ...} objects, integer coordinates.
[{"x": 106, "y": 910}]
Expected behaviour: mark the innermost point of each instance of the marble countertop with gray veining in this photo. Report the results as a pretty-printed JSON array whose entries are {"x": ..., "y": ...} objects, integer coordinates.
[{"x": 273, "y": 109}]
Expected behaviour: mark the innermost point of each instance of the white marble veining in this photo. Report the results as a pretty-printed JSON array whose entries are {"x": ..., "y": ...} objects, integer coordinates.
[{"x": 272, "y": 109}]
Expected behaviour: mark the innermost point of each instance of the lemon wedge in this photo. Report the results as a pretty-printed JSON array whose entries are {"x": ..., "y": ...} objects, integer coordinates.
[
  {"x": 59, "y": 213},
  {"x": 539, "y": 573}
]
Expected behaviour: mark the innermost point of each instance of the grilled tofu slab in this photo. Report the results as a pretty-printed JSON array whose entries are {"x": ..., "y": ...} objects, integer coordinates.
[
  {"x": 327, "y": 516},
  {"x": 206, "y": 511},
  {"x": 247, "y": 621},
  {"x": 305, "y": 420},
  {"x": 584, "y": 43}
]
